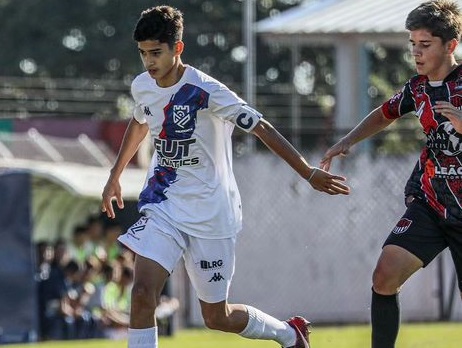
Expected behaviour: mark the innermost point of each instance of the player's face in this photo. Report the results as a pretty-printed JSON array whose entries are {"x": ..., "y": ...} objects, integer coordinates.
[
  {"x": 161, "y": 61},
  {"x": 431, "y": 56}
]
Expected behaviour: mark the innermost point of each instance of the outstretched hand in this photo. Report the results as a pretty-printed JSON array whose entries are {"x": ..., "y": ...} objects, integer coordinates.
[
  {"x": 453, "y": 114},
  {"x": 111, "y": 191},
  {"x": 326, "y": 182},
  {"x": 340, "y": 149}
]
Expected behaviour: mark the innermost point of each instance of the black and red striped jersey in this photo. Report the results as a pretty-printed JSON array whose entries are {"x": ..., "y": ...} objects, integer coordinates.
[{"x": 437, "y": 176}]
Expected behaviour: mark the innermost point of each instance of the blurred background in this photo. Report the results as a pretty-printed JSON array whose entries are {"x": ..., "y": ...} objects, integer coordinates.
[{"x": 314, "y": 68}]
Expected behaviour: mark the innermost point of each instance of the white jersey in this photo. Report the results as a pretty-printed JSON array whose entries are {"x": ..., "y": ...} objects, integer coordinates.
[{"x": 190, "y": 182}]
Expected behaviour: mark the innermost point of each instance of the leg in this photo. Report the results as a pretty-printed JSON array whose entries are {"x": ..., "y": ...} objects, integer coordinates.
[
  {"x": 224, "y": 317},
  {"x": 252, "y": 323},
  {"x": 210, "y": 266},
  {"x": 394, "y": 267},
  {"x": 159, "y": 241},
  {"x": 414, "y": 242},
  {"x": 149, "y": 280}
]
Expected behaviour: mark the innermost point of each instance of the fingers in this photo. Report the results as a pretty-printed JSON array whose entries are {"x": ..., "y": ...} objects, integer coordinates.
[
  {"x": 336, "y": 188},
  {"x": 106, "y": 207},
  {"x": 331, "y": 184},
  {"x": 339, "y": 149},
  {"x": 339, "y": 188},
  {"x": 111, "y": 191},
  {"x": 120, "y": 201},
  {"x": 445, "y": 108},
  {"x": 325, "y": 163}
]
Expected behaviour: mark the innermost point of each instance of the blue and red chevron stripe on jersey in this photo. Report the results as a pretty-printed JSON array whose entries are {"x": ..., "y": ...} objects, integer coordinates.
[
  {"x": 180, "y": 116},
  {"x": 181, "y": 112}
]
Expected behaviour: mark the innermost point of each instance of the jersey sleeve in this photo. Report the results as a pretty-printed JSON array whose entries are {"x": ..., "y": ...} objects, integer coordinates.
[
  {"x": 138, "y": 113},
  {"x": 227, "y": 105},
  {"x": 401, "y": 103}
]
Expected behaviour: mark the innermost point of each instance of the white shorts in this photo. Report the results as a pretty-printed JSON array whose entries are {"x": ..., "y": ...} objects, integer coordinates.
[{"x": 210, "y": 263}]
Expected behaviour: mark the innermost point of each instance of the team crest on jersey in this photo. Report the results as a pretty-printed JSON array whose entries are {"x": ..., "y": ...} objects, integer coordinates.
[
  {"x": 402, "y": 226},
  {"x": 181, "y": 115},
  {"x": 446, "y": 139},
  {"x": 458, "y": 86},
  {"x": 420, "y": 89}
]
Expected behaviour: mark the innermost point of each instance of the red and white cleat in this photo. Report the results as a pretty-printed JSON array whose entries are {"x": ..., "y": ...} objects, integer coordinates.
[{"x": 302, "y": 329}]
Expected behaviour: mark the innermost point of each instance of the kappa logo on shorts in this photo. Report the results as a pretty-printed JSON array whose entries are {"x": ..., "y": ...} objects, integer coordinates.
[
  {"x": 216, "y": 277},
  {"x": 402, "y": 226}
]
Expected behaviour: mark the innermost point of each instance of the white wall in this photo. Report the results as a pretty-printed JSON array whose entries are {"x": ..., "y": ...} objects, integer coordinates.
[{"x": 304, "y": 252}]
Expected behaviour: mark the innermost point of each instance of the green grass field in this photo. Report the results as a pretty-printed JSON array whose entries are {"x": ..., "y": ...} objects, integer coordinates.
[{"x": 439, "y": 335}]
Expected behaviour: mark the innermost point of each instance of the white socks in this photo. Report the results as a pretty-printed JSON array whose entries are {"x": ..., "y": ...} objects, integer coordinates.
[
  {"x": 142, "y": 338},
  {"x": 260, "y": 326},
  {"x": 266, "y": 327}
]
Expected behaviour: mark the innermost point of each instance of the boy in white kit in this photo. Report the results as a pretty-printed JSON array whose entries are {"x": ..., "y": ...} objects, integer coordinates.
[{"x": 191, "y": 204}]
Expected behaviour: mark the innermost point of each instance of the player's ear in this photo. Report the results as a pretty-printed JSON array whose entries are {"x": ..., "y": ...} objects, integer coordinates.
[
  {"x": 179, "y": 47},
  {"x": 452, "y": 45}
]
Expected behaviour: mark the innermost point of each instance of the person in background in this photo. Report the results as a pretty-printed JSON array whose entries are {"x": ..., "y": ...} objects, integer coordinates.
[
  {"x": 110, "y": 243},
  {"x": 116, "y": 298},
  {"x": 80, "y": 247},
  {"x": 95, "y": 231}
]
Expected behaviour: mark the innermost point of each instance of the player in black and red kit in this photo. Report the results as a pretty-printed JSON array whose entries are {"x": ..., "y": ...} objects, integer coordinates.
[{"x": 433, "y": 193}]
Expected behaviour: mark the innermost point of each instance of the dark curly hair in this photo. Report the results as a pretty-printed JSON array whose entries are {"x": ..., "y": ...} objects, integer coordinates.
[{"x": 162, "y": 23}]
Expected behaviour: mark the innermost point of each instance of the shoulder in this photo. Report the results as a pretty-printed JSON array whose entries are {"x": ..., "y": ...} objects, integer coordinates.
[
  {"x": 416, "y": 84},
  {"x": 417, "y": 80},
  {"x": 140, "y": 84},
  {"x": 141, "y": 80},
  {"x": 456, "y": 73},
  {"x": 204, "y": 80}
]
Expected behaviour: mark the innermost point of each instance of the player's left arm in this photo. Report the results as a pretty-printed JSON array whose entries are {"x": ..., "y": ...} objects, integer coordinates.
[
  {"x": 453, "y": 114},
  {"x": 319, "y": 179}
]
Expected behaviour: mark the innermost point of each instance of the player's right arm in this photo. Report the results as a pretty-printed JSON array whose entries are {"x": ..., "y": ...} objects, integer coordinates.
[
  {"x": 372, "y": 124},
  {"x": 134, "y": 135}
]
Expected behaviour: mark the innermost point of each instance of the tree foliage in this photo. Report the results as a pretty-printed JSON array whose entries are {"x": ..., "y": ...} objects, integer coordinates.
[{"x": 93, "y": 38}]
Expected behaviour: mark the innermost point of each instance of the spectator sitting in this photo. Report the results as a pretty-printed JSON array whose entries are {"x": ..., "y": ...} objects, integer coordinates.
[
  {"x": 116, "y": 304},
  {"x": 80, "y": 247},
  {"x": 110, "y": 243}
]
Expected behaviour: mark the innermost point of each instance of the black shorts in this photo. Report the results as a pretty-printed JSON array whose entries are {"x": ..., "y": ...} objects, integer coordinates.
[{"x": 422, "y": 232}]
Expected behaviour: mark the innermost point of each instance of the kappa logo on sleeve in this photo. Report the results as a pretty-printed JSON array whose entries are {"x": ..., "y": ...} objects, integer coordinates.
[
  {"x": 146, "y": 111},
  {"x": 402, "y": 226}
]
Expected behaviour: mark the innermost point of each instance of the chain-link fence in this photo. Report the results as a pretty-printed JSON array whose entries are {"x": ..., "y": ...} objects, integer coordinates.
[{"x": 305, "y": 252}]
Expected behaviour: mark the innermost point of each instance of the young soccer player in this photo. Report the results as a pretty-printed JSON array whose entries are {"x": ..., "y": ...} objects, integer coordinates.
[
  {"x": 433, "y": 219},
  {"x": 191, "y": 204}
]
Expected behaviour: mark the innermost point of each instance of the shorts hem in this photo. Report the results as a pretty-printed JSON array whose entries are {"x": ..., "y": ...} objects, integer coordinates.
[{"x": 135, "y": 249}]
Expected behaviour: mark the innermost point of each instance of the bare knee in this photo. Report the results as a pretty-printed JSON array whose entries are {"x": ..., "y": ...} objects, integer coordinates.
[
  {"x": 384, "y": 281},
  {"x": 394, "y": 267}
]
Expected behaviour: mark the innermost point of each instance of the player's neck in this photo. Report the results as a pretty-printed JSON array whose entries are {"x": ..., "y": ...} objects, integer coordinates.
[
  {"x": 173, "y": 76},
  {"x": 444, "y": 71}
]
